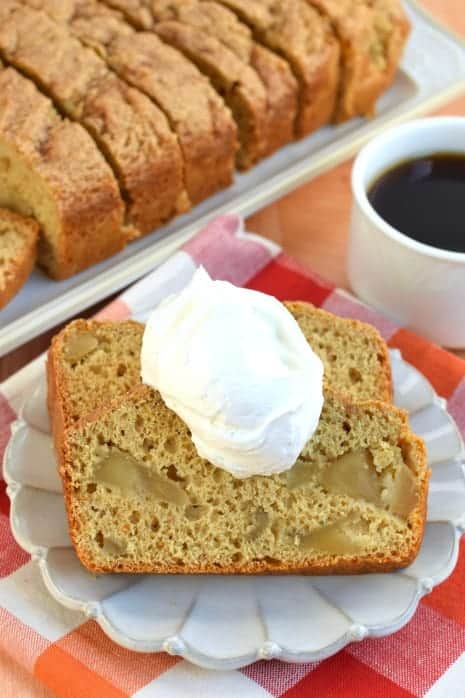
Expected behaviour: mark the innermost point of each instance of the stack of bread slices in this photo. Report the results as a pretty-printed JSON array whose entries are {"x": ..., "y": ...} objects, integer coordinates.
[
  {"x": 117, "y": 115},
  {"x": 140, "y": 499}
]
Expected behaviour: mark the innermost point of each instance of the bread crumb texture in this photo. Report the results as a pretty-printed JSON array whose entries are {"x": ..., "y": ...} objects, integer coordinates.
[
  {"x": 140, "y": 499},
  {"x": 93, "y": 361},
  {"x": 355, "y": 356}
]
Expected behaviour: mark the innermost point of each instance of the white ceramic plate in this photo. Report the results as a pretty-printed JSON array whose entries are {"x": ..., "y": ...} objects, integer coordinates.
[
  {"x": 228, "y": 622},
  {"x": 432, "y": 72}
]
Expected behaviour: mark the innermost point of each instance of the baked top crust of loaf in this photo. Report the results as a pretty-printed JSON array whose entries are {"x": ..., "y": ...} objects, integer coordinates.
[
  {"x": 258, "y": 85},
  {"x": 372, "y": 36},
  {"x": 291, "y": 29},
  {"x": 332, "y": 57},
  {"x": 140, "y": 499},
  {"x": 18, "y": 252},
  {"x": 131, "y": 131},
  {"x": 204, "y": 126},
  {"x": 51, "y": 169},
  {"x": 138, "y": 12},
  {"x": 297, "y": 32}
]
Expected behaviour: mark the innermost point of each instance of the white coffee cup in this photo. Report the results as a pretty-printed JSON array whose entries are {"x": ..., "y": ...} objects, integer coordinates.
[{"x": 417, "y": 285}]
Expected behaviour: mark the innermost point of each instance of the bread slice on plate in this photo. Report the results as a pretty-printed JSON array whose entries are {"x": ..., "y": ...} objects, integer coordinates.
[
  {"x": 18, "y": 252},
  {"x": 91, "y": 362},
  {"x": 291, "y": 29},
  {"x": 140, "y": 499}
]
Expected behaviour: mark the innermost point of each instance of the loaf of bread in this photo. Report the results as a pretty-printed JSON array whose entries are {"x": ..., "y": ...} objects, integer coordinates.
[
  {"x": 166, "y": 88},
  {"x": 204, "y": 126},
  {"x": 132, "y": 132},
  {"x": 258, "y": 85},
  {"x": 51, "y": 169},
  {"x": 91, "y": 362},
  {"x": 140, "y": 499},
  {"x": 372, "y": 35},
  {"x": 18, "y": 252}
]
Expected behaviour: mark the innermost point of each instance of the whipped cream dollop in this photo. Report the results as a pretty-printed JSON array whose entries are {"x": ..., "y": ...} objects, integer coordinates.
[{"x": 235, "y": 367}]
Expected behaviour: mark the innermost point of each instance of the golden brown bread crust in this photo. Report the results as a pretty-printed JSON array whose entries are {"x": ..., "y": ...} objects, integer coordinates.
[
  {"x": 239, "y": 84},
  {"x": 50, "y": 168},
  {"x": 205, "y": 128},
  {"x": 305, "y": 40},
  {"x": 260, "y": 81},
  {"x": 355, "y": 565},
  {"x": 372, "y": 35},
  {"x": 131, "y": 131},
  {"x": 374, "y": 339},
  {"x": 15, "y": 273},
  {"x": 257, "y": 85},
  {"x": 393, "y": 28},
  {"x": 137, "y": 11}
]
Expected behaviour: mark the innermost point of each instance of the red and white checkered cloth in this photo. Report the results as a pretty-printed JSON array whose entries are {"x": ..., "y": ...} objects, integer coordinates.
[{"x": 71, "y": 655}]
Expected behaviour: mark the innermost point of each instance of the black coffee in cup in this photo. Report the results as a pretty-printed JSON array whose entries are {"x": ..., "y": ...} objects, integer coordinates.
[{"x": 424, "y": 198}]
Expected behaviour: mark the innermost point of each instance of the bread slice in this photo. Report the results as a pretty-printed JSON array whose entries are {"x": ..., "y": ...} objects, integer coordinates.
[
  {"x": 89, "y": 363},
  {"x": 257, "y": 84},
  {"x": 133, "y": 134},
  {"x": 297, "y": 32},
  {"x": 51, "y": 169},
  {"x": 140, "y": 499},
  {"x": 18, "y": 252},
  {"x": 203, "y": 124},
  {"x": 372, "y": 34}
]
